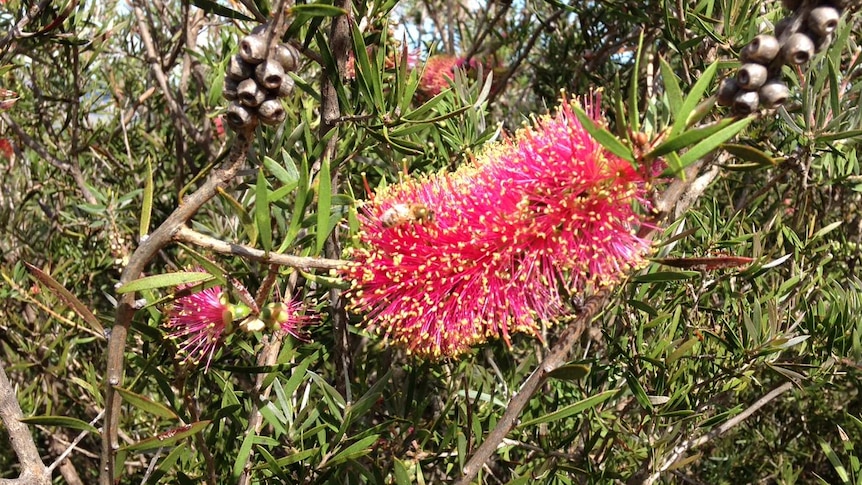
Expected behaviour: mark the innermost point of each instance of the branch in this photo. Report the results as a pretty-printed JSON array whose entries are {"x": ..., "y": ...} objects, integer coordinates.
[
  {"x": 33, "y": 471},
  {"x": 190, "y": 236},
  {"x": 686, "y": 445},
  {"x": 148, "y": 249},
  {"x": 556, "y": 357}
]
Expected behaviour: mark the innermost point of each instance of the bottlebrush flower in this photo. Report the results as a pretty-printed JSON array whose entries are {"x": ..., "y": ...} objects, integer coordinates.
[
  {"x": 201, "y": 320},
  {"x": 451, "y": 260},
  {"x": 288, "y": 316},
  {"x": 439, "y": 72}
]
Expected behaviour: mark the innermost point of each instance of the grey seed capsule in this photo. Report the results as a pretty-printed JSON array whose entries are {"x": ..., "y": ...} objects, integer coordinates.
[
  {"x": 287, "y": 56},
  {"x": 822, "y": 42},
  {"x": 238, "y": 69},
  {"x": 250, "y": 94},
  {"x": 823, "y": 20},
  {"x": 751, "y": 76},
  {"x": 774, "y": 93},
  {"x": 229, "y": 90},
  {"x": 269, "y": 74},
  {"x": 286, "y": 86},
  {"x": 798, "y": 49},
  {"x": 238, "y": 116},
  {"x": 271, "y": 112},
  {"x": 727, "y": 91},
  {"x": 745, "y": 102},
  {"x": 252, "y": 49},
  {"x": 783, "y": 25},
  {"x": 762, "y": 49}
]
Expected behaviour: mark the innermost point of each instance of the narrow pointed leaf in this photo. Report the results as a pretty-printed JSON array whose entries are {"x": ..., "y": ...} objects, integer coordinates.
[
  {"x": 261, "y": 211},
  {"x": 63, "y": 421},
  {"x": 146, "y": 404},
  {"x": 147, "y": 202},
  {"x": 603, "y": 136},
  {"x": 693, "y": 98},
  {"x": 571, "y": 409},
  {"x": 67, "y": 298},
  {"x": 164, "y": 280},
  {"x": 168, "y": 438}
]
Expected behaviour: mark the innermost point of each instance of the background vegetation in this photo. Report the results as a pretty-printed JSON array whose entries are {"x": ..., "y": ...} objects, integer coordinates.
[{"x": 110, "y": 131}]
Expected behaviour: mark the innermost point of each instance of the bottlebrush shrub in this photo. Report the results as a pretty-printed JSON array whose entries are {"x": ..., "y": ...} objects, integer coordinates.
[{"x": 446, "y": 262}]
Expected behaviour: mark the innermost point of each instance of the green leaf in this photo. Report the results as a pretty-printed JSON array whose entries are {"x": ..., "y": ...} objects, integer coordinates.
[
  {"x": 147, "y": 202},
  {"x": 360, "y": 448},
  {"x": 603, "y": 136},
  {"x": 210, "y": 6},
  {"x": 844, "y": 135},
  {"x": 840, "y": 470},
  {"x": 261, "y": 211},
  {"x": 146, "y": 404},
  {"x": 681, "y": 350},
  {"x": 693, "y": 98},
  {"x": 317, "y": 10},
  {"x": 638, "y": 391},
  {"x": 324, "y": 204},
  {"x": 67, "y": 298},
  {"x": 712, "y": 142},
  {"x": 570, "y": 372},
  {"x": 571, "y": 409},
  {"x": 662, "y": 276},
  {"x": 671, "y": 87},
  {"x": 164, "y": 280},
  {"x": 688, "y": 138},
  {"x": 168, "y": 438},
  {"x": 63, "y": 421},
  {"x": 749, "y": 154}
]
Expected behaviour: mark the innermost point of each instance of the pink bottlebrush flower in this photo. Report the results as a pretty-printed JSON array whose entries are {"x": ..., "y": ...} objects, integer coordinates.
[
  {"x": 438, "y": 73},
  {"x": 6, "y": 149},
  {"x": 454, "y": 259},
  {"x": 288, "y": 316},
  {"x": 200, "y": 320}
]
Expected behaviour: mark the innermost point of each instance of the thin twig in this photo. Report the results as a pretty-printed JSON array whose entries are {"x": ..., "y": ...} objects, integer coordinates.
[
  {"x": 557, "y": 356},
  {"x": 682, "y": 448},
  {"x": 190, "y": 236}
]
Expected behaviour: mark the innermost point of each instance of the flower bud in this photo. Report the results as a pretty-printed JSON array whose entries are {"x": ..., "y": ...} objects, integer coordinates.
[
  {"x": 229, "y": 89},
  {"x": 286, "y": 87},
  {"x": 727, "y": 91},
  {"x": 271, "y": 112},
  {"x": 751, "y": 76},
  {"x": 249, "y": 93},
  {"x": 252, "y": 49},
  {"x": 238, "y": 69},
  {"x": 238, "y": 116},
  {"x": 774, "y": 93},
  {"x": 798, "y": 49},
  {"x": 823, "y": 20},
  {"x": 269, "y": 74},
  {"x": 745, "y": 102},
  {"x": 762, "y": 49},
  {"x": 287, "y": 56}
]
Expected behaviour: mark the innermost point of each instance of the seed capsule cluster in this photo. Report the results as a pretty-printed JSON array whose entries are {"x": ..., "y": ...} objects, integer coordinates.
[
  {"x": 255, "y": 78},
  {"x": 809, "y": 29}
]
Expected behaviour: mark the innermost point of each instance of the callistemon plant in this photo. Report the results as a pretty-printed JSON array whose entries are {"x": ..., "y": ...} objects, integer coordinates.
[{"x": 448, "y": 261}]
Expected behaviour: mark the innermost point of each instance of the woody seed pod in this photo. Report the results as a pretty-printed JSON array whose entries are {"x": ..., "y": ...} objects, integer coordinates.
[
  {"x": 745, "y": 102},
  {"x": 269, "y": 73},
  {"x": 229, "y": 89},
  {"x": 823, "y": 20},
  {"x": 798, "y": 49},
  {"x": 252, "y": 49},
  {"x": 751, "y": 76},
  {"x": 783, "y": 25},
  {"x": 762, "y": 49},
  {"x": 286, "y": 86},
  {"x": 238, "y": 116},
  {"x": 271, "y": 112},
  {"x": 250, "y": 94},
  {"x": 287, "y": 56},
  {"x": 727, "y": 91},
  {"x": 237, "y": 69},
  {"x": 773, "y": 94}
]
